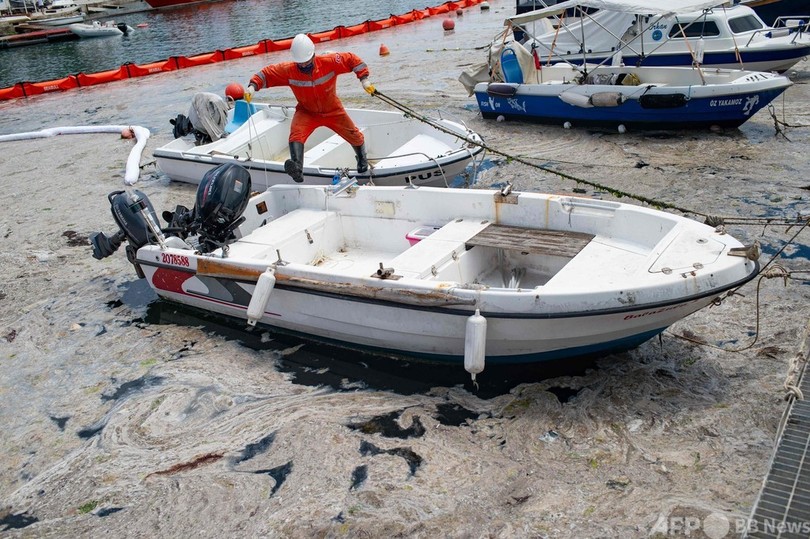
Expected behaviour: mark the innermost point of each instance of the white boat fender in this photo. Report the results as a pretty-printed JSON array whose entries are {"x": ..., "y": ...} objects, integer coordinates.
[
  {"x": 133, "y": 162},
  {"x": 607, "y": 99},
  {"x": 782, "y": 32},
  {"x": 699, "y": 50},
  {"x": 475, "y": 343},
  {"x": 578, "y": 100},
  {"x": 261, "y": 296}
]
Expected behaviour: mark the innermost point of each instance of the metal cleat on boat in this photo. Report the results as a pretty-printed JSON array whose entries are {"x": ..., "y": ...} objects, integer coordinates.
[
  {"x": 751, "y": 252},
  {"x": 341, "y": 182}
]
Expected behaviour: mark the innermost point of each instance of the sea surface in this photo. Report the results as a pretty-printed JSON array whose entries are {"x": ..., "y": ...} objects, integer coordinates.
[
  {"x": 127, "y": 416},
  {"x": 191, "y": 30}
]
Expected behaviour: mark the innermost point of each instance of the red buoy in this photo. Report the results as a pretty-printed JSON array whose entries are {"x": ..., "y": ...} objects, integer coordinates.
[
  {"x": 235, "y": 91},
  {"x": 448, "y": 24},
  {"x": 384, "y": 50}
]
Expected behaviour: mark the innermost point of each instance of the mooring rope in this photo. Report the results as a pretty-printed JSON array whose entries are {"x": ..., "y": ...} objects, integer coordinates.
[
  {"x": 711, "y": 220},
  {"x": 770, "y": 270},
  {"x": 776, "y": 272},
  {"x": 779, "y": 124}
]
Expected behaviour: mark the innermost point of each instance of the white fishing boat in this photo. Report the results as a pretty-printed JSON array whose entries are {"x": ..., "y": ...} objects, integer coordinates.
[
  {"x": 441, "y": 274},
  {"x": 58, "y": 13},
  {"x": 400, "y": 148},
  {"x": 56, "y": 20},
  {"x": 98, "y": 29},
  {"x": 659, "y": 34}
]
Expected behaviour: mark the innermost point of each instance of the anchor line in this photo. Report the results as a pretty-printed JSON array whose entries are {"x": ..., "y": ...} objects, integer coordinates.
[
  {"x": 776, "y": 272},
  {"x": 764, "y": 272},
  {"x": 770, "y": 270},
  {"x": 711, "y": 220},
  {"x": 779, "y": 124}
]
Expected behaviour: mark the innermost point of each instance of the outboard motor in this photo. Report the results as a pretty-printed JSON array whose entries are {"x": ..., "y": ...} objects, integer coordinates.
[
  {"x": 206, "y": 118},
  {"x": 222, "y": 196},
  {"x": 131, "y": 214},
  {"x": 123, "y": 27}
]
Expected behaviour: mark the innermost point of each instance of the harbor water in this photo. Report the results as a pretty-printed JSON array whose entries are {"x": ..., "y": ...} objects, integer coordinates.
[
  {"x": 186, "y": 31},
  {"x": 127, "y": 416}
]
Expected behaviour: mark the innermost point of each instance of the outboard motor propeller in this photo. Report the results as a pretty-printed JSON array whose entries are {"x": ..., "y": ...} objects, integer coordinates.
[{"x": 128, "y": 213}]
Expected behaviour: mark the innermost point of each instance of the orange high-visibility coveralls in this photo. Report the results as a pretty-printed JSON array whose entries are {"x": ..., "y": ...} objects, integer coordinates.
[{"x": 318, "y": 103}]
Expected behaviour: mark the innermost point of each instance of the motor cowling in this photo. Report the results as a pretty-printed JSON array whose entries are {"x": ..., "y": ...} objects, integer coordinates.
[
  {"x": 222, "y": 197},
  {"x": 123, "y": 27},
  {"x": 128, "y": 213},
  {"x": 126, "y": 210}
]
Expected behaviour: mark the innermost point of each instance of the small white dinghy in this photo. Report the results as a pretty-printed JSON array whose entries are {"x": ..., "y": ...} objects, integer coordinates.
[
  {"x": 442, "y": 274},
  {"x": 97, "y": 29},
  {"x": 400, "y": 149}
]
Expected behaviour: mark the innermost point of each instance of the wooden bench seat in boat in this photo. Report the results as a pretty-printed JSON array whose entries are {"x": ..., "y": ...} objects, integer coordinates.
[
  {"x": 532, "y": 240},
  {"x": 420, "y": 260}
]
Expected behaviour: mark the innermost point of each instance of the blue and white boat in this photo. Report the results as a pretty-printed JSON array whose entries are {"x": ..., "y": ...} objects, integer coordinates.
[
  {"x": 520, "y": 83},
  {"x": 635, "y": 97},
  {"x": 667, "y": 33}
]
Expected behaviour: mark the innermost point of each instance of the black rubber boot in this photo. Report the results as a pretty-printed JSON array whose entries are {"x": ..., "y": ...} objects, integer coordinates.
[
  {"x": 360, "y": 154},
  {"x": 295, "y": 164}
]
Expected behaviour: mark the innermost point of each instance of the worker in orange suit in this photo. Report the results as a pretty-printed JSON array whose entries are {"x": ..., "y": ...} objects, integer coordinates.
[{"x": 313, "y": 81}]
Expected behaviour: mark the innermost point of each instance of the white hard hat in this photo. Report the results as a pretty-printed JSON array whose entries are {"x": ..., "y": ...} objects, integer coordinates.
[{"x": 303, "y": 49}]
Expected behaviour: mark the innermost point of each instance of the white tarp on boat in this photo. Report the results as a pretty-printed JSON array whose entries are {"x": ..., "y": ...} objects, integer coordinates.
[
  {"x": 602, "y": 30},
  {"x": 648, "y": 7}
]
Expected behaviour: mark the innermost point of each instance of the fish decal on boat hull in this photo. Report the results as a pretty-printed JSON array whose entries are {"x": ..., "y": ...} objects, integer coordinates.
[{"x": 750, "y": 103}]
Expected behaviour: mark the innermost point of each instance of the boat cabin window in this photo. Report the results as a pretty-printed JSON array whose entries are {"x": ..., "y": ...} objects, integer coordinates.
[
  {"x": 695, "y": 29},
  {"x": 745, "y": 24}
]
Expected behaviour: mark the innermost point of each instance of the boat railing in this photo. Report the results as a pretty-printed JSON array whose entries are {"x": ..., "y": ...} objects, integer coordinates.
[
  {"x": 781, "y": 31},
  {"x": 794, "y": 23}
]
